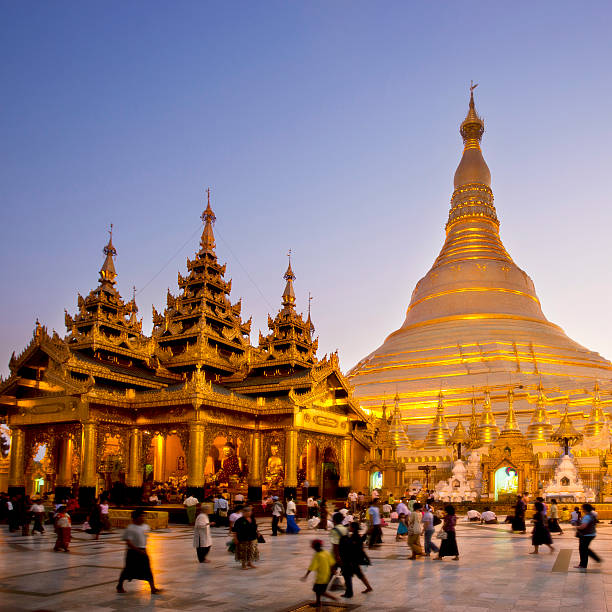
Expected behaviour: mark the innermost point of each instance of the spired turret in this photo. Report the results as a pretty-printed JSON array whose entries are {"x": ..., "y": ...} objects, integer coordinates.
[
  {"x": 488, "y": 431},
  {"x": 597, "y": 418},
  {"x": 397, "y": 433},
  {"x": 511, "y": 427},
  {"x": 474, "y": 320},
  {"x": 540, "y": 429},
  {"x": 439, "y": 434},
  {"x": 200, "y": 329}
]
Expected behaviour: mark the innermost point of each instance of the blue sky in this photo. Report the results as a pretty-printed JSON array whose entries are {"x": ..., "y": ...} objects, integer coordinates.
[{"x": 327, "y": 128}]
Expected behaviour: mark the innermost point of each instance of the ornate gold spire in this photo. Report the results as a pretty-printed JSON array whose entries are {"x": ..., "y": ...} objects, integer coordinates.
[
  {"x": 488, "y": 431},
  {"x": 566, "y": 434},
  {"x": 597, "y": 419},
  {"x": 107, "y": 271},
  {"x": 473, "y": 429},
  {"x": 439, "y": 433},
  {"x": 289, "y": 293},
  {"x": 539, "y": 429},
  {"x": 459, "y": 438},
  {"x": 511, "y": 425},
  {"x": 396, "y": 428},
  {"x": 207, "y": 241}
]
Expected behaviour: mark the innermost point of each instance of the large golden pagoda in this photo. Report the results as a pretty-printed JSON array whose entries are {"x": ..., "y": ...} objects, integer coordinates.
[{"x": 475, "y": 323}]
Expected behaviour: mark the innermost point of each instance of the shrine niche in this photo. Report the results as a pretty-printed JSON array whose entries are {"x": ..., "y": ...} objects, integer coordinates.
[{"x": 275, "y": 471}]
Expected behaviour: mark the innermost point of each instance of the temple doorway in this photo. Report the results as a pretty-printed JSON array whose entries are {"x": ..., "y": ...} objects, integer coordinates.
[
  {"x": 376, "y": 480},
  {"x": 329, "y": 474},
  {"x": 506, "y": 483}
]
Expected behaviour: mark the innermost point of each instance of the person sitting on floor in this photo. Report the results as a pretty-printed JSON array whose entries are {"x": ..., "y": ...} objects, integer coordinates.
[
  {"x": 488, "y": 517},
  {"x": 473, "y": 515}
]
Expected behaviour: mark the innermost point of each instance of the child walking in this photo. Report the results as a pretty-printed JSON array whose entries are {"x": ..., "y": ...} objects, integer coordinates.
[
  {"x": 322, "y": 563},
  {"x": 402, "y": 528}
]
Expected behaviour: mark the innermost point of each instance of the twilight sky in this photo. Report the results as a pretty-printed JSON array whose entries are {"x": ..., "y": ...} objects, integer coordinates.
[{"x": 327, "y": 128}]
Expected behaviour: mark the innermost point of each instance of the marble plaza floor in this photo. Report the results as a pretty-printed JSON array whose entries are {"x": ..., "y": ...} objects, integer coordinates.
[{"x": 494, "y": 573}]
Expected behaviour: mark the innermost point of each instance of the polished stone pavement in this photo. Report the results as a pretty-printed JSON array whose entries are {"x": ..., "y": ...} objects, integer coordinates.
[{"x": 494, "y": 573}]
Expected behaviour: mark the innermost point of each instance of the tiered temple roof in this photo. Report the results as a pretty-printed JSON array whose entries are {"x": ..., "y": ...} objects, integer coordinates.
[{"x": 201, "y": 328}]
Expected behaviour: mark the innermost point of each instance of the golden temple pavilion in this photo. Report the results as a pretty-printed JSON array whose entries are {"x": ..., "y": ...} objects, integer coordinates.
[{"x": 195, "y": 402}]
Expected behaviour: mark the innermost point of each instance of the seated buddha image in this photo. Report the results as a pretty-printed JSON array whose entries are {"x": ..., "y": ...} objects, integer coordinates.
[
  {"x": 274, "y": 467},
  {"x": 230, "y": 464}
]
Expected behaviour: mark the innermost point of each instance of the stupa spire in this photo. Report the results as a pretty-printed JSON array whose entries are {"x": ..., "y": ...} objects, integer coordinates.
[
  {"x": 107, "y": 271},
  {"x": 396, "y": 428},
  {"x": 207, "y": 242},
  {"x": 597, "y": 419},
  {"x": 439, "y": 433},
  {"x": 473, "y": 429},
  {"x": 488, "y": 431},
  {"x": 289, "y": 293},
  {"x": 566, "y": 434},
  {"x": 511, "y": 425},
  {"x": 540, "y": 429}
]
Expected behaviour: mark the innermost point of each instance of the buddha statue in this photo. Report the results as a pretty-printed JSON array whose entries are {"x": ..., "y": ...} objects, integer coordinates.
[
  {"x": 230, "y": 464},
  {"x": 274, "y": 467}
]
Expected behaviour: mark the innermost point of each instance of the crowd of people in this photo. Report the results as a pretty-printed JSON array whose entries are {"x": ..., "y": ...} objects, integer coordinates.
[{"x": 352, "y": 525}]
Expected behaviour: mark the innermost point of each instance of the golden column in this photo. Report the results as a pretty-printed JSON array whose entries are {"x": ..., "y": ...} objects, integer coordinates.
[
  {"x": 345, "y": 464},
  {"x": 88, "y": 477},
  {"x": 195, "y": 463},
  {"x": 255, "y": 467},
  {"x": 16, "y": 478},
  {"x": 64, "y": 467},
  {"x": 134, "y": 473},
  {"x": 159, "y": 461},
  {"x": 312, "y": 473},
  {"x": 291, "y": 451}
]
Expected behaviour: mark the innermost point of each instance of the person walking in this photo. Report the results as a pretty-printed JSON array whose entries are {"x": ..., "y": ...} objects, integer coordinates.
[
  {"x": 292, "y": 526},
  {"x": 95, "y": 520},
  {"x": 375, "y": 530},
  {"x": 540, "y": 534},
  {"x": 518, "y": 521},
  {"x": 428, "y": 531},
  {"x": 321, "y": 563},
  {"x": 201, "y": 534},
  {"x": 586, "y": 533},
  {"x": 38, "y": 511},
  {"x": 323, "y": 514},
  {"x": 338, "y": 537},
  {"x": 245, "y": 537},
  {"x": 222, "y": 511},
  {"x": 137, "y": 563},
  {"x": 414, "y": 531},
  {"x": 62, "y": 529},
  {"x": 104, "y": 516},
  {"x": 553, "y": 521},
  {"x": 448, "y": 546},
  {"x": 402, "y": 527},
  {"x": 358, "y": 556},
  {"x": 277, "y": 515}
]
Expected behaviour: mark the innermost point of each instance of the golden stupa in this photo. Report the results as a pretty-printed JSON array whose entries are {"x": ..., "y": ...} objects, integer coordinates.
[{"x": 475, "y": 325}]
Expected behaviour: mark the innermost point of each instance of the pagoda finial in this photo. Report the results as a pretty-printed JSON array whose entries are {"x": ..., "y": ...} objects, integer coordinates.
[
  {"x": 289, "y": 293},
  {"x": 472, "y": 127},
  {"x": 566, "y": 435},
  {"x": 488, "y": 431},
  {"x": 511, "y": 425},
  {"x": 207, "y": 242},
  {"x": 597, "y": 418},
  {"x": 439, "y": 434},
  {"x": 107, "y": 272},
  {"x": 540, "y": 429}
]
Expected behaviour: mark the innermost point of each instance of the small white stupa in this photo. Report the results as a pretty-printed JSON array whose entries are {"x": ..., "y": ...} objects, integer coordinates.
[
  {"x": 566, "y": 484},
  {"x": 457, "y": 488}
]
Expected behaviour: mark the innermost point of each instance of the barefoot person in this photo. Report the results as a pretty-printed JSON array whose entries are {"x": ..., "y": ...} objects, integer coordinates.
[
  {"x": 245, "y": 538},
  {"x": 137, "y": 564},
  {"x": 201, "y": 534},
  {"x": 321, "y": 563},
  {"x": 540, "y": 535},
  {"x": 586, "y": 534}
]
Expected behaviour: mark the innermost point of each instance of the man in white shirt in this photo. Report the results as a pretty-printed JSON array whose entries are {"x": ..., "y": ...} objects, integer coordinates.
[
  {"x": 352, "y": 498},
  {"x": 38, "y": 510},
  {"x": 137, "y": 564},
  {"x": 291, "y": 507},
  {"x": 277, "y": 514},
  {"x": 473, "y": 515},
  {"x": 488, "y": 517},
  {"x": 402, "y": 508},
  {"x": 190, "y": 504},
  {"x": 374, "y": 520}
]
